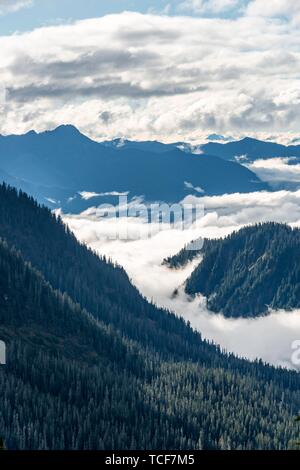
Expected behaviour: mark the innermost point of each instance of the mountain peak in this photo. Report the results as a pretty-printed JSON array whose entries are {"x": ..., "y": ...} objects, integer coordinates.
[
  {"x": 32, "y": 132},
  {"x": 67, "y": 129},
  {"x": 69, "y": 132},
  {"x": 249, "y": 139}
]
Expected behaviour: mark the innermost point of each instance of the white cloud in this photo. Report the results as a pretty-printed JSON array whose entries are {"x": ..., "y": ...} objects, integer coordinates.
[
  {"x": 154, "y": 77},
  {"x": 231, "y": 211},
  {"x": 277, "y": 171},
  {"x": 273, "y": 8},
  {"x": 86, "y": 195},
  {"x": 283, "y": 9},
  {"x": 9, "y": 6},
  {"x": 198, "y": 189},
  {"x": 269, "y": 337},
  {"x": 208, "y": 6}
]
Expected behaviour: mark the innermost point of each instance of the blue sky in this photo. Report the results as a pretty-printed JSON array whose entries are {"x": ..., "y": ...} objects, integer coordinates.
[
  {"x": 45, "y": 12},
  {"x": 49, "y": 12}
]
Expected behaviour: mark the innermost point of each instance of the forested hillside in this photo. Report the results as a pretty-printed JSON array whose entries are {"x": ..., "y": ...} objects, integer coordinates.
[
  {"x": 92, "y": 365},
  {"x": 99, "y": 286},
  {"x": 186, "y": 255},
  {"x": 250, "y": 271}
]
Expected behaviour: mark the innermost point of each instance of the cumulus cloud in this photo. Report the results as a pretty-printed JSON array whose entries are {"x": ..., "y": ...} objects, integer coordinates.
[
  {"x": 274, "y": 8},
  {"x": 269, "y": 337},
  {"x": 232, "y": 211},
  {"x": 154, "y": 77},
  {"x": 8, "y": 6},
  {"x": 208, "y": 6},
  {"x": 278, "y": 171},
  {"x": 105, "y": 116},
  {"x": 283, "y": 9}
]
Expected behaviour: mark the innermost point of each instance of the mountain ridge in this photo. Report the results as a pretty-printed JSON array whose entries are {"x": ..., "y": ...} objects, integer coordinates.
[
  {"x": 252, "y": 149},
  {"x": 93, "y": 365},
  {"x": 58, "y": 165},
  {"x": 249, "y": 272}
]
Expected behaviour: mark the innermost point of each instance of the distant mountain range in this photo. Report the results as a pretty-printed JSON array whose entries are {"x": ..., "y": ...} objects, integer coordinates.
[
  {"x": 247, "y": 273},
  {"x": 251, "y": 149},
  {"x": 56, "y": 166},
  {"x": 218, "y": 145},
  {"x": 151, "y": 146},
  {"x": 92, "y": 365}
]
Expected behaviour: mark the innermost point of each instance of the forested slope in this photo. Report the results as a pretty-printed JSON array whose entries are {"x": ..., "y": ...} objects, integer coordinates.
[
  {"x": 250, "y": 271},
  {"x": 86, "y": 376}
]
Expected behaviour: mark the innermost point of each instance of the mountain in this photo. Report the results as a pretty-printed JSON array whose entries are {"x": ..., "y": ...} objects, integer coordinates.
[
  {"x": 59, "y": 165},
  {"x": 92, "y": 365},
  {"x": 250, "y": 271},
  {"x": 151, "y": 146},
  {"x": 252, "y": 149},
  {"x": 100, "y": 287}
]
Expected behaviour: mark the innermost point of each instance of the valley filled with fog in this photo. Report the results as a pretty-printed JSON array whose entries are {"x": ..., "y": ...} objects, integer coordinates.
[
  {"x": 270, "y": 337},
  {"x": 149, "y": 227}
]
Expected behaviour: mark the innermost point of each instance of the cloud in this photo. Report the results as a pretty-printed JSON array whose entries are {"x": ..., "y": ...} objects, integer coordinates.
[
  {"x": 154, "y": 77},
  {"x": 86, "y": 195},
  {"x": 282, "y": 9},
  {"x": 269, "y": 337},
  {"x": 273, "y": 8},
  {"x": 278, "y": 171},
  {"x": 229, "y": 212},
  {"x": 204, "y": 7},
  {"x": 10, "y": 6},
  {"x": 103, "y": 88},
  {"x": 198, "y": 189},
  {"x": 105, "y": 116}
]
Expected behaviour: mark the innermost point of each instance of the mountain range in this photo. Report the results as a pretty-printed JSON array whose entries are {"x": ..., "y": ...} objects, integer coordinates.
[
  {"x": 251, "y": 150},
  {"x": 56, "y": 167},
  {"x": 248, "y": 148},
  {"x": 92, "y": 365}
]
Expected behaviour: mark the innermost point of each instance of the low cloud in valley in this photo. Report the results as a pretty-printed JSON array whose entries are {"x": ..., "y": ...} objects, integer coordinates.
[{"x": 270, "y": 337}]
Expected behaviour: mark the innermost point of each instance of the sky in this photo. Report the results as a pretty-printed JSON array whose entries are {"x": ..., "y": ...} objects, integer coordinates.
[
  {"x": 171, "y": 71},
  {"x": 165, "y": 70},
  {"x": 24, "y": 15}
]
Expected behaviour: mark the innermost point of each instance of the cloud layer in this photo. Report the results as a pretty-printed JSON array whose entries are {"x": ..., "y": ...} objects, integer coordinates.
[
  {"x": 269, "y": 337},
  {"x": 150, "y": 76},
  {"x": 278, "y": 172}
]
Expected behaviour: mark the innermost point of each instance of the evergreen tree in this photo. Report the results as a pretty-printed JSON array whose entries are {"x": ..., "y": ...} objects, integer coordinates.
[
  {"x": 250, "y": 271},
  {"x": 92, "y": 365}
]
